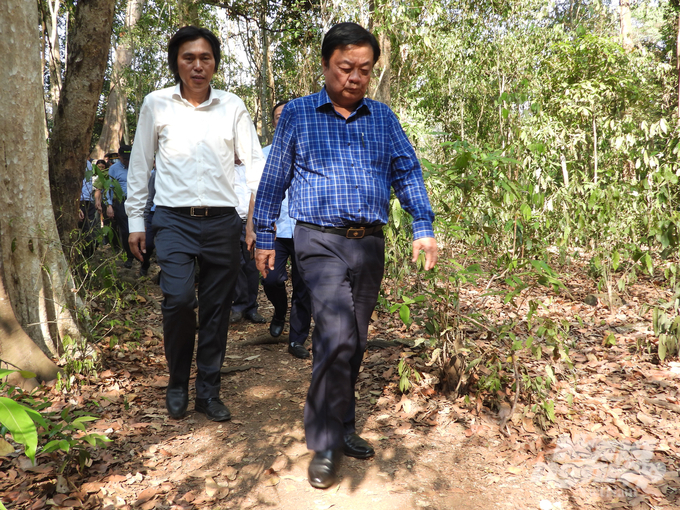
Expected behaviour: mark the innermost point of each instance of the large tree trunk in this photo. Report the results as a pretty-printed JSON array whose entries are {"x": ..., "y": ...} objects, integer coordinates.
[
  {"x": 113, "y": 130},
  {"x": 35, "y": 284},
  {"x": 89, "y": 40}
]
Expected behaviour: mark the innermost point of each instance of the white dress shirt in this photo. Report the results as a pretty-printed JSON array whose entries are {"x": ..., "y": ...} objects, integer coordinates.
[
  {"x": 285, "y": 225},
  {"x": 194, "y": 148}
]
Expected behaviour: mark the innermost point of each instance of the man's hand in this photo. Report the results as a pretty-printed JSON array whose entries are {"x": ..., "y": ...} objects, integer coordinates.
[
  {"x": 264, "y": 260},
  {"x": 251, "y": 237},
  {"x": 429, "y": 246},
  {"x": 109, "y": 212},
  {"x": 137, "y": 241},
  {"x": 81, "y": 215}
]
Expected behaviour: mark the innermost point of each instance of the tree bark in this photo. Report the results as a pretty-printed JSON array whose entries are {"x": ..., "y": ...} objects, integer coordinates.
[
  {"x": 381, "y": 90},
  {"x": 113, "y": 130},
  {"x": 626, "y": 24},
  {"x": 677, "y": 59},
  {"x": 35, "y": 283},
  {"x": 89, "y": 40}
]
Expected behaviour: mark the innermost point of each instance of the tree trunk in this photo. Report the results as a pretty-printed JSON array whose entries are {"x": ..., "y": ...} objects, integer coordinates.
[
  {"x": 35, "y": 283},
  {"x": 264, "y": 78},
  {"x": 626, "y": 24},
  {"x": 113, "y": 130},
  {"x": 381, "y": 90},
  {"x": 50, "y": 16},
  {"x": 89, "y": 40},
  {"x": 677, "y": 59}
]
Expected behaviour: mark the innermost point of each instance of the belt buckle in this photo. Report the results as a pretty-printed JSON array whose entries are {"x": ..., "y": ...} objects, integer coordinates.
[
  {"x": 355, "y": 233},
  {"x": 193, "y": 213}
]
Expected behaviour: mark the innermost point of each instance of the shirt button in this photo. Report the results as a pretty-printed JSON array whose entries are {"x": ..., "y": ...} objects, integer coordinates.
[{"x": 348, "y": 144}]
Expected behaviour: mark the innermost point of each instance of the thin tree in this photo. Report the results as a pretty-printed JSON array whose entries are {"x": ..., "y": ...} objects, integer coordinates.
[{"x": 113, "y": 130}]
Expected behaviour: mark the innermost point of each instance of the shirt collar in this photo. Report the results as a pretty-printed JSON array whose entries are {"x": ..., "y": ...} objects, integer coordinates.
[
  {"x": 323, "y": 101},
  {"x": 177, "y": 94}
]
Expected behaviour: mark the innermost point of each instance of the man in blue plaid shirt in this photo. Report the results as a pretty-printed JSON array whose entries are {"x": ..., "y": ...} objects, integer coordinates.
[{"x": 338, "y": 154}]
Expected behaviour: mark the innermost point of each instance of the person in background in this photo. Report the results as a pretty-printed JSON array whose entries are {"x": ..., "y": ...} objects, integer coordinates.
[
  {"x": 149, "y": 210},
  {"x": 88, "y": 212},
  {"x": 248, "y": 281},
  {"x": 275, "y": 283},
  {"x": 194, "y": 132},
  {"x": 119, "y": 172},
  {"x": 339, "y": 154}
]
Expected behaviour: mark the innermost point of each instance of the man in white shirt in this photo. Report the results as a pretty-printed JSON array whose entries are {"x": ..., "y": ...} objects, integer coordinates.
[{"x": 195, "y": 132}]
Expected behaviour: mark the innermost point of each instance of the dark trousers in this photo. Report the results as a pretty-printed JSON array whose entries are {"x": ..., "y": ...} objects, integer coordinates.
[
  {"x": 88, "y": 227},
  {"x": 248, "y": 281},
  {"x": 275, "y": 289},
  {"x": 343, "y": 277},
  {"x": 121, "y": 219},
  {"x": 148, "y": 225},
  {"x": 214, "y": 243}
]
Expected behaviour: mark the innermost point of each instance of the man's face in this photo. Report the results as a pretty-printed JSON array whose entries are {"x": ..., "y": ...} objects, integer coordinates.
[
  {"x": 347, "y": 74},
  {"x": 196, "y": 65},
  {"x": 277, "y": 115}
]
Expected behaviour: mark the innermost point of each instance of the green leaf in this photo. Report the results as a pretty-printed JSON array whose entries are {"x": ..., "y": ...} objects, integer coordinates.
[
  {"x": 405, "y": 314},
  {"x": 19, "y": 423},
  {"x": 615, "y": 260}
]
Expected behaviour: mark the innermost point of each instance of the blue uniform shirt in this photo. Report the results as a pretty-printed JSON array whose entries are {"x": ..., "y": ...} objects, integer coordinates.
[
  {"x": 339, "y": 171},
  {"x": 119, "y": 172},
  {"x": 86, "y": 192}
]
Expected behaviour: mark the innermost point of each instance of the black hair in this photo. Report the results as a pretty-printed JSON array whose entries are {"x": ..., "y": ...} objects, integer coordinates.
[
  {"x": 100, "y": 161},
  {"x": 343, "y": 34},
  {"x": 280, "y": 103},
  {"x": 190, "y": 33}
]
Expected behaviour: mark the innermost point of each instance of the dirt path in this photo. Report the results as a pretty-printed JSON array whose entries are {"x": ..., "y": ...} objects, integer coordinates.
[{"x": 432, "y": 453}]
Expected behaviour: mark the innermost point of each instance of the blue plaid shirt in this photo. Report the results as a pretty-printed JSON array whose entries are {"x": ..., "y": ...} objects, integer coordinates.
[{"x": 339, "y": 171}]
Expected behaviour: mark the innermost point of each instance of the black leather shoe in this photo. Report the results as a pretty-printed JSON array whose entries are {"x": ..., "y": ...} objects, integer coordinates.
[
  {"x": 357, "y": 447},
  {"x": 298, "y": 350},
  {"x": 235, "y": 317},
  {"x": 213, "y": 408},
  {"x": 256, "y": 318},
  {"x": 323, "y": 470},
  {"x": 128, "y": 264},
  {"x": 176, "y": 401},
  {"x": 276, "y": 327}
]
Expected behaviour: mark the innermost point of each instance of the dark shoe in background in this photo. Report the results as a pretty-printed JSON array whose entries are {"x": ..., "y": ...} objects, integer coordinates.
[
  {"x": 235, "y": 317},
  {"x": 276, "y": 327},
  {"x": 213, "y": 408},
  {"x": 255, "y": 317},
  {"x": 298, "y": 350},
  {"x": 357, "y": 447}
]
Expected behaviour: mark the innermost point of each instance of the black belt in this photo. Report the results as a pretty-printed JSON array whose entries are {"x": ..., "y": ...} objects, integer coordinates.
[
  {"x": 351, "y": 232},
  {"x": 202, "y": 212}
]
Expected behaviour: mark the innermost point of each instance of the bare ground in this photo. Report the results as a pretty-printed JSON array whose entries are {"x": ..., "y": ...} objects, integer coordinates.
[{"x": 615, "y": 445}]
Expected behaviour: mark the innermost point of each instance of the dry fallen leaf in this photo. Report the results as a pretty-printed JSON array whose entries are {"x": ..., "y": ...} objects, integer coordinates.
[{"x": 5, "y": 448}]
